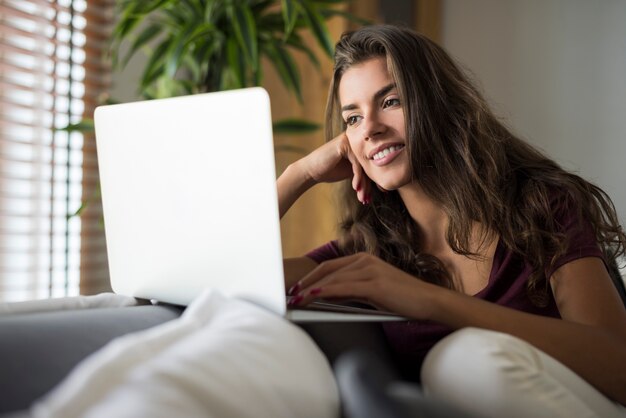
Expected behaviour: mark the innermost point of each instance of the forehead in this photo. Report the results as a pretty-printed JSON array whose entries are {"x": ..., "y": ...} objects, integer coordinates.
[{"x": 361, "y": 81}]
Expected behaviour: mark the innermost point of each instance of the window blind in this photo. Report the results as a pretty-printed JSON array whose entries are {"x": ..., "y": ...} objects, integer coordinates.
[{"x": 52, "y": 75}]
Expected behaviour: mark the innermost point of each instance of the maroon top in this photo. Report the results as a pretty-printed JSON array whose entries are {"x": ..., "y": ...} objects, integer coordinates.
[{"x": 411, "y": 340}]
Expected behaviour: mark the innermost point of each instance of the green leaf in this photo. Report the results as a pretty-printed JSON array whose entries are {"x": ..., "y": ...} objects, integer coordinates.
[
  {"x": 127, "y": 23},
  {"x": 290, "y": 15},
  {"x": 318, "y": 26},
  {"x": 167, "y": 87},
  {"x": 147, "y": 7},
  {"x": 195, "y": 6},
  {"x": 236, "y": 62},
  {"x": 176, "y": 50},
  {"x": 203, "y": 31},
  {"x": 244, "y": 25},
  {"x": 257, "y": 76},
  {"x": 96, "y": 194},
  {"x": 144, "y": 37},
  {"x": 295, "y": 126},
  {"x": 285, "y": 66},
  {"x": 156, "y": 64},
  {"x": 213, "y": 11},
  {"x": 188, "y": 86},
  {"x": 85, "y": 125},
  {"x": 193, "y": 67},
  {"x": 271, "y": 23}
]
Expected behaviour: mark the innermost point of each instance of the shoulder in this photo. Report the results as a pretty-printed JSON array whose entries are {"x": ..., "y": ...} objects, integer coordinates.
[{"x": 578, "y": 232}]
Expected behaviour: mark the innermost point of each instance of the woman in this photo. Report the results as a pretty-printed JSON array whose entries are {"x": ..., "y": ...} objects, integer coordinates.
[{"x": 455, "y": 222}]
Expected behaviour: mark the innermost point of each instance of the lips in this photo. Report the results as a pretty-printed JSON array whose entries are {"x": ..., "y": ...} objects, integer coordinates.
[
  {"x": 384, "y": 150},
  {"x": 386, "y": 153}
]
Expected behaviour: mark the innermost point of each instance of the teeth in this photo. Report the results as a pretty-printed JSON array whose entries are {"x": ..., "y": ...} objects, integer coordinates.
[{"x": 386, "y": 152}]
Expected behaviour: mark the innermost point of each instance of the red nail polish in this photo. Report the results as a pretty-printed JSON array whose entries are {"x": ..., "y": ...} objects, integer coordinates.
[
  {"x": 295, "y": 300},
  {"x": 294, "y": 289},
  {"x": 315, "y": 291},
  {"x": 358, "y": 187}
]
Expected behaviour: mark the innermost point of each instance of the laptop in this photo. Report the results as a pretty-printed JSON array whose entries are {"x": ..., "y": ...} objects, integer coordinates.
[{"x": 189, "y": 198}]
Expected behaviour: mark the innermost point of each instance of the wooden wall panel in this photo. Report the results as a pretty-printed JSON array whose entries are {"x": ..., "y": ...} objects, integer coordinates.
[{"x": 428, "y": 18}]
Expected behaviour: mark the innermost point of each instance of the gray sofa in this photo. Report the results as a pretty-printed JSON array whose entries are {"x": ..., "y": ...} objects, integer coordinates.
[{"x": 40, "y": 349}]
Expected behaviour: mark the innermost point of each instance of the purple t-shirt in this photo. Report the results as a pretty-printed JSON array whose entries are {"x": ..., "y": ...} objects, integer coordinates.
[{"x": 411, "y": 340}]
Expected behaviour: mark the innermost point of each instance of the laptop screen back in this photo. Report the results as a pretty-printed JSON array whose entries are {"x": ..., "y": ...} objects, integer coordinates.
[{"x": 189, "y": 197}]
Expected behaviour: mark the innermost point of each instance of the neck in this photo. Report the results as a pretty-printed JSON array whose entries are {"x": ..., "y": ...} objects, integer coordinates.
[
  {"x": 429, "y": 216},
  {"x": 432, "y": 222}
]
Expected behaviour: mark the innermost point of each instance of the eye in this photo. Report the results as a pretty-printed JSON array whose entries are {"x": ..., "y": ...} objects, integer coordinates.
[
  {"x": 351, "y": 120},
  {"x": 391, "y": 102}
]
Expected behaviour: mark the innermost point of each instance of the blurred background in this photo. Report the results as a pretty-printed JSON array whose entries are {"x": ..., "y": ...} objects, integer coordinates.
[{"x": 553, "y": 69}]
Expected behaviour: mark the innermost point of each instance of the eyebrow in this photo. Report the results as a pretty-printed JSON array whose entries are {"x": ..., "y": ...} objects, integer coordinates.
[{"x": 377, "y": 96}]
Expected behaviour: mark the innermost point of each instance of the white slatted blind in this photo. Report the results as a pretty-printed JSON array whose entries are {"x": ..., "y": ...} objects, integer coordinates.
[{"x": 51, "y": 75}]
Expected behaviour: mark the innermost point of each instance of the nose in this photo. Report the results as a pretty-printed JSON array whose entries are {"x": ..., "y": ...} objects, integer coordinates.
[{"x": 372, "y": 126}]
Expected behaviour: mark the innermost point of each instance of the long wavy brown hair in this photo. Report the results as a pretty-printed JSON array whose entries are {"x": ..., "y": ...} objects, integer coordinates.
[{"x": 467, "y": 160}]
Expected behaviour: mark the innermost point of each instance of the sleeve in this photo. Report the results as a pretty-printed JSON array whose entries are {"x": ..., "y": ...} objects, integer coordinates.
[
  {"x": 326, "y": 252},
  {"x": 581, "y": 237}
]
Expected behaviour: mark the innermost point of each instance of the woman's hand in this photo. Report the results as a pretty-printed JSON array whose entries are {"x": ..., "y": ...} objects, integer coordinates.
[
  {"x": 368, "y": 278},
  {"x": 334, "y": 161}
]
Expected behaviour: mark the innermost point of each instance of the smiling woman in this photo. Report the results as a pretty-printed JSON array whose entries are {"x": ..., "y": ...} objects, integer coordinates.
[
  {"x": 497, "y": 254},
  {"x": 51, "y": 75}
]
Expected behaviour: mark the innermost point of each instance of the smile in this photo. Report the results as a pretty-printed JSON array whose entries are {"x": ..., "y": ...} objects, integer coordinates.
[{"x": 386, "y": 154}]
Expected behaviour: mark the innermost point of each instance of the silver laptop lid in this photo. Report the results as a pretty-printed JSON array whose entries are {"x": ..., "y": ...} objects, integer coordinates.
[{"x": 189, "y": 197}]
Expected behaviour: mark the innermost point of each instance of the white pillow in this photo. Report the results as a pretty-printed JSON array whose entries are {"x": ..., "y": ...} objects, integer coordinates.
[{"x": 222, "y": 358}]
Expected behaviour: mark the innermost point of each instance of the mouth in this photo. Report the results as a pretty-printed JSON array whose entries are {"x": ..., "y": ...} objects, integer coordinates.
[{"x": 385, "y": 153}]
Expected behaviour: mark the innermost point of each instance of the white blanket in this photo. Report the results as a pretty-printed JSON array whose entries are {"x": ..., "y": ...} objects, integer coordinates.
[{"x": 221, "y": 358}]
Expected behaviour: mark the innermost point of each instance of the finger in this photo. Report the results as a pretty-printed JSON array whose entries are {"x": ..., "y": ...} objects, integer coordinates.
[
  {"x": 360, "y": 181},
  {"x": 323, "y": 270},
  {"x": 367, "y": 192},
  {"x": 346, "y": 152},
  {"x": 352, "y": 284}
]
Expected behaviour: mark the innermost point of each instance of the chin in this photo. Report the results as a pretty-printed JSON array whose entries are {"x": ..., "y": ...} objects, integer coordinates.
[{"x": 392, "y": 185}]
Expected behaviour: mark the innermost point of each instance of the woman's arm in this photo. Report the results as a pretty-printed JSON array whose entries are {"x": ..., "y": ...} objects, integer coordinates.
[
  {"x": 331, "y": 162},
  {"x": 590, "y": 339},
  {"x": 292, "y": 184}
]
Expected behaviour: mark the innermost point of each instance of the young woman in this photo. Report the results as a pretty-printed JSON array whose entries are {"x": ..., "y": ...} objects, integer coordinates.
[{"x": 498, "y": 254}]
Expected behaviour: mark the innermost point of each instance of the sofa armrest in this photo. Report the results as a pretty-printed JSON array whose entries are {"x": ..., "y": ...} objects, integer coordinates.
[{"x": 40, "y": 349}]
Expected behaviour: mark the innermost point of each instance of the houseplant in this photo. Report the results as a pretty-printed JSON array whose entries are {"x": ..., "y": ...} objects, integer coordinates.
[{"x": 196, "y": 46}]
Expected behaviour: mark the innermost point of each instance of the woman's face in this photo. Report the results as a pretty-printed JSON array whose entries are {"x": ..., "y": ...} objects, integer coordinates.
[{"x": 374, "y": 116}]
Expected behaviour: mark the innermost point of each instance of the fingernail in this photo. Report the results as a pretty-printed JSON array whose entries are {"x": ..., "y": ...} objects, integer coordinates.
[
  {"x": 315, "y": 291},
  {"x": 358, "y": 187},
  {"x": 295, "y": 300},
  {"x": 294, "y": 289}
]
